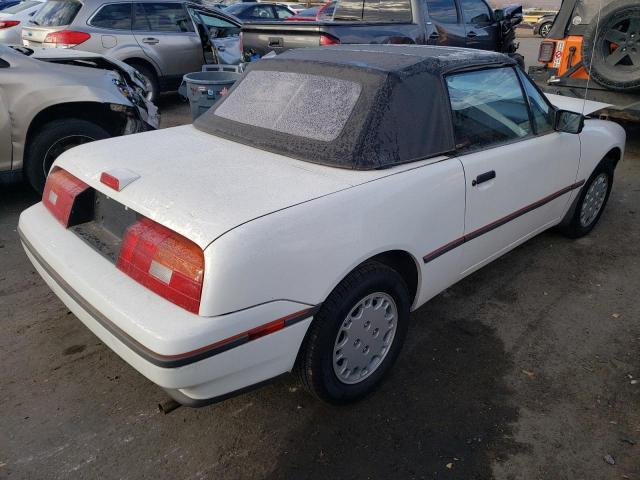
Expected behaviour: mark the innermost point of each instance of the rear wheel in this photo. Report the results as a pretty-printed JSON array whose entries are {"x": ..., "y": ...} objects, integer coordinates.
[
  {"x": 611, "y": 50},
  {"x": 356, "y": 336},
  {"x": 53, "y": 139}
]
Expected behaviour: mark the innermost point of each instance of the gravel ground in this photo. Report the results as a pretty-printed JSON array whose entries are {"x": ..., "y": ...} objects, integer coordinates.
[{"x": 526, "y": 369}]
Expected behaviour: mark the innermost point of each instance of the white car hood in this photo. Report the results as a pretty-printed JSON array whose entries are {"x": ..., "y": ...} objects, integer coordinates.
[
  {"x": 576, "y": 104},
  {"x": 202, "y": 186}
]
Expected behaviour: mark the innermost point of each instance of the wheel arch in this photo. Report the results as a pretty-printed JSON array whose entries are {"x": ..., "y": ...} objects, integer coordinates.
[
  {"x": 133, "y": 61},
  {"x": 96, "y": 112}
]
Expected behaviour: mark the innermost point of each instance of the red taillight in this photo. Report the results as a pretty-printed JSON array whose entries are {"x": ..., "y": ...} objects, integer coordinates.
[
  {"x": 545, "y": 54},
  {"x": 67, "y": 38},
  {"x": 326, "y": 40},
  {"x": 60, "y": 193},
  {"x": 8, "y": 23},
  {"x": 164, "y": 262}
]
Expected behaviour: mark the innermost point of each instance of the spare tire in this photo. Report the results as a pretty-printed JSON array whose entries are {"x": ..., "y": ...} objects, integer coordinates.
[{"x": 611, "y": 50}]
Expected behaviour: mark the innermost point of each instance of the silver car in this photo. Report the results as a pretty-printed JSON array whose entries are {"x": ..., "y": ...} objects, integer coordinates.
[
  {"x": 162, "y": 39},
  {"x": 53, "y": 100}
]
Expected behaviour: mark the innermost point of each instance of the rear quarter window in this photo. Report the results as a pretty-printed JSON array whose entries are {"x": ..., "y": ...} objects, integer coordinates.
[
  {"x": 116, "y": 16},
  {"x": 57, "y": 13},
  {"x": 310, "y": 106}
]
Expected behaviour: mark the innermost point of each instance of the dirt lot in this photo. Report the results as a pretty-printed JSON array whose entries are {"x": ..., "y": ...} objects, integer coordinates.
[{"x": 527, "y": 369}]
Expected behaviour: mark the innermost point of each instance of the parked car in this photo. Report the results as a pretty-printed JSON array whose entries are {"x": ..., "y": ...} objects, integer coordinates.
[
  {"x": 13, "y": 18},
  {"x": 321, "y": 12},
  {"x": 251, "y": 11},
  {"x": 213, "y": 257},
  {"x": 8, "y": 3},
  {"x": 592, "y": 52},
  {"x": 294, "y": 7},
  {"x": 51, "y": 101},
  {"x": 162, "y": 39},
  {"x": 461, "y": 23},
  {"x": 543, "y": 26}
]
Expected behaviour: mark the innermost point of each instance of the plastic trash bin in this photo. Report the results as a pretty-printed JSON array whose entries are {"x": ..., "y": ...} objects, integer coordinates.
[{"x": 204, "y": 88}]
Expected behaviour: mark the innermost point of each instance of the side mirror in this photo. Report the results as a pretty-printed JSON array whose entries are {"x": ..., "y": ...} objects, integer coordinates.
[
  {"x": 499, "y": 14},
  {"x": 569, "y": 122}
]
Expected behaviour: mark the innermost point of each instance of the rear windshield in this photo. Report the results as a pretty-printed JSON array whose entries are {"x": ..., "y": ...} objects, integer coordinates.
[
  {"x": 309, "y": 106},
  {"x": 20, "y": 7},
  {"x": 57, "y": 13}
]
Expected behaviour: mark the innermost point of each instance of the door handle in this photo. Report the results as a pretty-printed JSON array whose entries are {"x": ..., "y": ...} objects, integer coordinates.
[
  {"x": 483, "y": 177},
  {"x": 221, "y": 48},
  {"x": 472, "y": 35},
  {"x": 150, "y": 40},
  {"x": 275, "y": 42},
  {"x": 434, "y": 36}
]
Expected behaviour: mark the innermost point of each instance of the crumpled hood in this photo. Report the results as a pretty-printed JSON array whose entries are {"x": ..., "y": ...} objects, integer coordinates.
[{"x": 202, "y": 186}]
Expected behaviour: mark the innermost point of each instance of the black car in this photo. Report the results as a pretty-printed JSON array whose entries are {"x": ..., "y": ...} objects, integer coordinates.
[
  {"x": 8, "y": 3},
  {"x": 456, "y": 23},
  {"x": 259, "y": 11}
]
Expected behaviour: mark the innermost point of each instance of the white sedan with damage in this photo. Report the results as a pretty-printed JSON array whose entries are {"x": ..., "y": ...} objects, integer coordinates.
[{"x": 300, "y": 220}]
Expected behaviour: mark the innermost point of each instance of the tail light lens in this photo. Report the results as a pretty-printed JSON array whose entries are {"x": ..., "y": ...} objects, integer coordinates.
[
  {"x": 8, "y": 23},
  {"x": 545, "y": 54},
  {"x": 66, "y": 38},
  {"x": 164, "y": 262},
  {"x": 326, "y": 40},
  {"x": 68, "y": 198}
]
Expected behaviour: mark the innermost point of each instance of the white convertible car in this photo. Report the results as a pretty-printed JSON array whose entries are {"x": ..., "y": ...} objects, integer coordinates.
[{"x": 299, "y": 221}]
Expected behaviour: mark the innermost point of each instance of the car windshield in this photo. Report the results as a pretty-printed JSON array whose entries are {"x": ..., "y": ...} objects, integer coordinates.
[
  {"x": 57, "y": 13},
  {"x": 20, "y": 7},
  {"x": 309, "y": 106}
]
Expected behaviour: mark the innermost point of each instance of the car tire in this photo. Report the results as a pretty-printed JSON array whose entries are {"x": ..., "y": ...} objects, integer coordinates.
[
  {"x": 365, "y": 316},
  {"x": 601, "y": 59},
  {"x": 151, "y": 80},
  {"x": 591, "y": 203},
  {"x": 51, "y": 140},
  {"x": 544, "y": 29}
]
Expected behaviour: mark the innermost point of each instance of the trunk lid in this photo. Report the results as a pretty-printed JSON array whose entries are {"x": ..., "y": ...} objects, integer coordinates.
[{"x": 202, "y": 186}]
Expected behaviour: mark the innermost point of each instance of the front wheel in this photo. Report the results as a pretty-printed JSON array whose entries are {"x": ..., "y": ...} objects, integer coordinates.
[
  {"x": 53, "y": 139},
  {"x": 591, "y": 202},
  {"x": 544, "y": 29},
  {"x": 356, "y": 336}
]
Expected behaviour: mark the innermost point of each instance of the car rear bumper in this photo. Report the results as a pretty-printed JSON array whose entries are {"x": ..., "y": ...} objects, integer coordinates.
[{"x": 195, "y": 358}]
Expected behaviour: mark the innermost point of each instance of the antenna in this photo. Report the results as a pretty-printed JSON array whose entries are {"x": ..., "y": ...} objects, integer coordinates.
[{"x": 593, "y": 50}]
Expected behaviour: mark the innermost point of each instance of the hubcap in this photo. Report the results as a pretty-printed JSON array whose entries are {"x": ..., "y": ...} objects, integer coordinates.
[
  {"x": 544, "y": 30},
  {"x": 365, "y": 338},
  {"x": 593, "y": 200},
  {"x": 59, "y": 147}
]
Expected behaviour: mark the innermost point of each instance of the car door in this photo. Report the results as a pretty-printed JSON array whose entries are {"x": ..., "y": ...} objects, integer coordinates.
[
  {"x": 519, "y": 171},
  {"x": 220, "y": 30},
  {"x": 481, "y": 27},
  {"x": 167, "y": 36},
  {"x": 111, "y": 29},
  {"x": 444, "y": 24}
]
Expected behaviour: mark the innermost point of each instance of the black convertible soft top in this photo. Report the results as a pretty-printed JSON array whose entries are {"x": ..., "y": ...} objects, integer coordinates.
[{"x": 350, "y": 106}]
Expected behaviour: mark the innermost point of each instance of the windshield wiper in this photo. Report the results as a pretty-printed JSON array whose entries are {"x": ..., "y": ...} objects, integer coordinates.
[{"x": 34, "y": 22}]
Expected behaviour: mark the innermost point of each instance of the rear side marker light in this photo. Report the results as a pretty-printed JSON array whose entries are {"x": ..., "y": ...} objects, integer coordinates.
[
  {"x": 164, "y": 262},
  {"x": 545, "y": 54},
  {"x": 66, "y": 38},
  {"x": 326, "y": 40},
  {"x": 118, "y": 178},
  {"x": 68, "y": 198},
  {"x": 8, "y": 23}
]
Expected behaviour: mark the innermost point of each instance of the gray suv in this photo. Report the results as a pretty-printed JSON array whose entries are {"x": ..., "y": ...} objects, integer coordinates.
[{"x": 162, "y": 39}]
